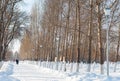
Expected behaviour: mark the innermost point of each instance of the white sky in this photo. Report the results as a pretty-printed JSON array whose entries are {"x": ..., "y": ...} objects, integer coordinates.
[
  {"x": 26, "y": 6},
  {"x": 15, "y": 45}
]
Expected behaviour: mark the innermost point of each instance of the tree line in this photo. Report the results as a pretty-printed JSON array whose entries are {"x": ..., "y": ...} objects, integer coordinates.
[
  {"x": 11, "y": 19},
  {"x": 72, "y": 31}
]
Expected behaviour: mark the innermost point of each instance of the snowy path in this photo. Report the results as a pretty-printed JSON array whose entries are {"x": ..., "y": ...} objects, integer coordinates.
[
  {"x": 32, "y": 72},
  {"x": 27, "y": 72}
]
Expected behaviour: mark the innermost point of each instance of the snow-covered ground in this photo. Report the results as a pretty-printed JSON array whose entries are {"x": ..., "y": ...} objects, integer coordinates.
[{"x": 33, "y": 71}]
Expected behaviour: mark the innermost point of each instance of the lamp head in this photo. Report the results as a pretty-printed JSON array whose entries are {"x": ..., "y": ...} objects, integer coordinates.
[{"x": 107, "y": 11}]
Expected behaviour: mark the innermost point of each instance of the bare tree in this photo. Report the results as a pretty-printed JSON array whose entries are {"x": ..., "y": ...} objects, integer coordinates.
[{"x": 10, "y": 21}]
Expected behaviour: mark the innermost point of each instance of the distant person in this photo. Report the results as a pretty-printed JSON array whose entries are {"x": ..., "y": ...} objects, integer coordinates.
[{"x": 17, "y": 61}]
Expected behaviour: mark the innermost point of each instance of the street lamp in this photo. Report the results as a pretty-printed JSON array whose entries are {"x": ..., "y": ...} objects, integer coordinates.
[
  {"x": 41, "y": 58},
  {"x": 40, "y": 46},
  {"x": 33, "y": 50},
  {"x": 41, "y": 52},
  {"x": 107, "y": 14},
  {"x": 57, "y": 52}
]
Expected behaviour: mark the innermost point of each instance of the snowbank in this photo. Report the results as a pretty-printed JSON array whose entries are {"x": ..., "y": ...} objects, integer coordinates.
[
  {"x": 6, "y": 70},
  {"x": 91, "y": 77},
  {"x": 83, "y": 75},
  {"x": 1, "y": 63}
]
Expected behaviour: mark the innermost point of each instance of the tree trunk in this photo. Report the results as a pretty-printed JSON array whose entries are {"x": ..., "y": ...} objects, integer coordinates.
[
  {"x": 100, "y": 39},
  {"x": 89, "y": 34},
  {"x": 117, "y": 55},
  {"x": 79, "y": 38}
]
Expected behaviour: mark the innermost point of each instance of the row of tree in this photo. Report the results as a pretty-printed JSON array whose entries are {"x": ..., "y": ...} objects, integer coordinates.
[
  {"x": 72, "y": 31},
  {"x": 11, "y": 19}
]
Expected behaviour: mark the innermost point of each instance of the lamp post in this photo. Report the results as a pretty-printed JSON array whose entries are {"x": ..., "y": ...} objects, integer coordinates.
[
  {"x": 41, "y": 53},
  {"x": 57, "y": 51},
  {"x": 33, "y": 50},
  {"x": 107, "y": 14}
]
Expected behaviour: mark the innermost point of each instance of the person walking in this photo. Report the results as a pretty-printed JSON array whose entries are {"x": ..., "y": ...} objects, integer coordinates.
[{"x": 17, "y": 61}]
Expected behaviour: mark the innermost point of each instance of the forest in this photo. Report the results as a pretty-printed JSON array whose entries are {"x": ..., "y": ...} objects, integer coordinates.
[
  {"x": 72, "y": 30},
  {"x": 11, "y": 21},
  {"x": 64, "y": 30}
]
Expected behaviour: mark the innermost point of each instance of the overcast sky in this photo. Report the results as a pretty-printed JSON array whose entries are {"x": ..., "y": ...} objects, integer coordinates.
[
  {"x": 24, "y": 6},
  {"x": 27, "y": 5}
]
